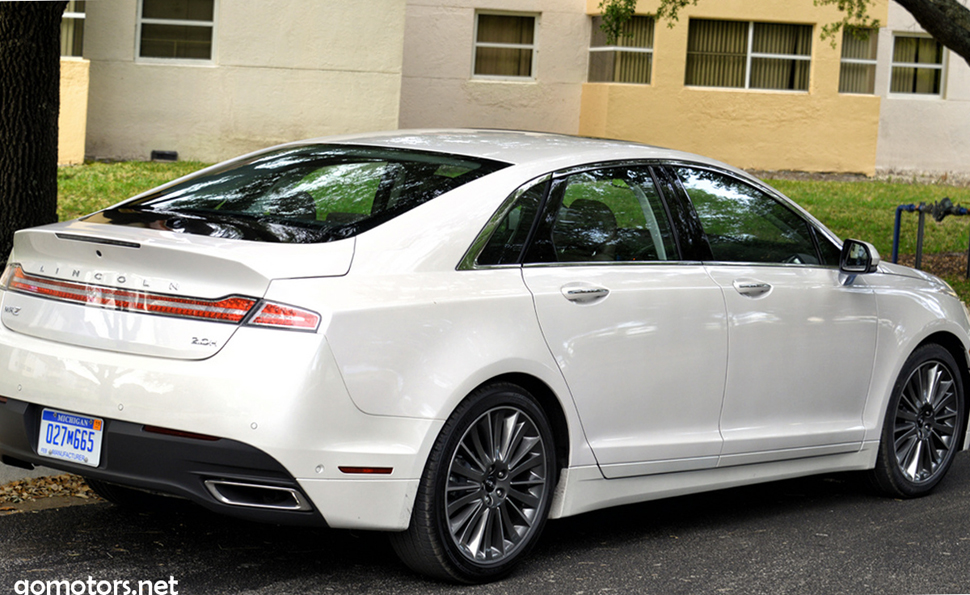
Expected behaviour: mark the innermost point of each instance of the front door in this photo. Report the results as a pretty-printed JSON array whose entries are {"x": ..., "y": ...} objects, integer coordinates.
[
  {"x": 639, "y": 335},
  {"x": 801, "y": 339}
]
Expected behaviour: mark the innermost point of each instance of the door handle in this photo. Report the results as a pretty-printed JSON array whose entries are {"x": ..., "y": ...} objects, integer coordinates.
[
  {"x": 583, "y": 293},
  {"x": 749, "y": 288}
]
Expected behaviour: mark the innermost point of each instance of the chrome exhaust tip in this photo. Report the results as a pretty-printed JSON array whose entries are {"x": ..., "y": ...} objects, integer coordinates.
[{"x": 255, "y": 495}]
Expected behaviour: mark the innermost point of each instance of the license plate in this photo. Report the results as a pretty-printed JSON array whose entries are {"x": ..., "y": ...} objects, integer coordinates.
[{"x": 70, "y": 437}]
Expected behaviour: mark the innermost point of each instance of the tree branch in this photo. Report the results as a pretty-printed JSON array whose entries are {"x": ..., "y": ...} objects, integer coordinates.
[{"x": 947, "y": 21}]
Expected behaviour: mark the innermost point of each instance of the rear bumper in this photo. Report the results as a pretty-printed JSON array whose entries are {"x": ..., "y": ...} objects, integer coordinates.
[
  {"x": 275, "y": 400},
  {"x": 167, "y": 464}
]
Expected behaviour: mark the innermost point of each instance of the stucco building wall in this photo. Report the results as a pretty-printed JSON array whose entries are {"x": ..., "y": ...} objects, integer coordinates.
[
  {"x": 817, "y": 130},
  {"x": 922, "y": 133},
  {"x": 438, "y": 88},
  {"x": 72, "y": 119},
  {"x": 281, "y": 70}
]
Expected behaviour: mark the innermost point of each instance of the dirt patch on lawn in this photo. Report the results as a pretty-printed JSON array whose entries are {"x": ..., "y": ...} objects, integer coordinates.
[
  {"x": 897, "y": 177},
  {"x": 947, "y": 264}
]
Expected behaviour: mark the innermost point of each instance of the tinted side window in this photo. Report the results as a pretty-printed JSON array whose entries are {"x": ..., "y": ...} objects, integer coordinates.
[
  {"x": 509, "y": 237},
  {"x": 831, "y": 254},
  {"x": 743, "y": 224},
  {"x": 611, "y": 214}
]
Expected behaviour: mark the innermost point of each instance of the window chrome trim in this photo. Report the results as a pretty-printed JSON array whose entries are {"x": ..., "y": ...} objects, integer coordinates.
[{"x": 470, "y": 260}]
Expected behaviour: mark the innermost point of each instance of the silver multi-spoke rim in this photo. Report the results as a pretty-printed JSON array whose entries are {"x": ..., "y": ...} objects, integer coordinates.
[
  {"x": 926, "y": 420},
  {"x": 496, "y": 484}
]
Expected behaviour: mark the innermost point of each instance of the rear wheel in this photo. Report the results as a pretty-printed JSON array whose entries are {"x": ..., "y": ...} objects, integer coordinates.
[
  {"x": 485, "y": 492},
  {"x": 923, "y": 424}
]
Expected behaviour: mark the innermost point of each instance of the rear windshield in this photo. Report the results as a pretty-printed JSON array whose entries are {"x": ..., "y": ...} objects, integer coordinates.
[{"x": 306, "y": 194}]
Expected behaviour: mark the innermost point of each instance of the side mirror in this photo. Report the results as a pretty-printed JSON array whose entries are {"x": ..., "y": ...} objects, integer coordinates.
[{"x": 858, "y": 258}]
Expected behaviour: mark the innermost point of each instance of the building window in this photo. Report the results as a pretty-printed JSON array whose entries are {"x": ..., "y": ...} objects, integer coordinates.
[
  {"x": 630, "y": 60},
  {"x": 72, "y": 29},
  {"x": 917, "y": 65},
  {"x": 858, "y": 71},
  {"x": 748, "y": 55},
  {"x": 176, "y": 29},
  {"x": 505, "y": 45}
]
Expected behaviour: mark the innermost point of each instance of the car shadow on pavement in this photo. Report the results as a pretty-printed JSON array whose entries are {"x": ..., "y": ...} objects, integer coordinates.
[{"x": 764, "y": 538}]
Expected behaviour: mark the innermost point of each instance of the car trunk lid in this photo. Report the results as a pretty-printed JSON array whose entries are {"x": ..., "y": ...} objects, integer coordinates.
[{"x": 148, "y": 292}]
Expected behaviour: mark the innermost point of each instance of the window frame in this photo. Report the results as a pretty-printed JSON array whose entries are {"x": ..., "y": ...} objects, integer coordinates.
[
  {"x": 140, "y": 21},
  {"x": 941, "y": 67},
  {"x": 72, "y": 19},
  {"x": 624, "y": 48},
  {"x": 750, "y": 54},
  {"x": 534, "y": 46},
  {"x": 873, "y": 62}
]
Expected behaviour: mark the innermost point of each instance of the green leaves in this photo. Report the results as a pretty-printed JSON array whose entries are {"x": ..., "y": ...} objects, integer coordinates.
[{"x": 615, "y": 14}]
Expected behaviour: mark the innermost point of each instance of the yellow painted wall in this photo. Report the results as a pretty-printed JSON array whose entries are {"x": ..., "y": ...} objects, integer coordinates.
[
  {"x": 73, "y": 117},
  {"x": 818, "y": 130}
]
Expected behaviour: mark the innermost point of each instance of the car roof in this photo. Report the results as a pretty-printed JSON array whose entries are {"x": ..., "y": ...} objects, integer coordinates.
[{"x": 517, "y": 147}]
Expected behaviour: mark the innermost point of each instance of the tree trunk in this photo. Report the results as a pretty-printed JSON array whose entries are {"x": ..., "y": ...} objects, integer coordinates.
[
  {"x": 947, "y": 21},
  {"x": 30, "y": 70}
]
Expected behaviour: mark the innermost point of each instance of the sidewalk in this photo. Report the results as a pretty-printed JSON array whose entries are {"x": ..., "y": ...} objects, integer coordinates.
[{"x": 8, "y": 473}]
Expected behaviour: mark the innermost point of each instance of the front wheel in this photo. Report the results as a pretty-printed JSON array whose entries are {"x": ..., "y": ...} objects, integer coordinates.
[
  {"x": 485, "y": 493},
  {"x": 923, "y": 424}
]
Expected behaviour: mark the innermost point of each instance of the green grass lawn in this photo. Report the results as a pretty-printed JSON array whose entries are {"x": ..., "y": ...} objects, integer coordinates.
[
  {"x": 862, "y": 210},
  {"x": 83, "y": 189}
]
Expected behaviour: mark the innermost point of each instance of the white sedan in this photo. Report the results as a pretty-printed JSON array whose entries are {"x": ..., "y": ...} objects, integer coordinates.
[{"x": 455, "y": 335}]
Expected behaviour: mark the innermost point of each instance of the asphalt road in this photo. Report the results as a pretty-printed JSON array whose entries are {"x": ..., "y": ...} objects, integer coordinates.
[{"x": 816, "y": 535}]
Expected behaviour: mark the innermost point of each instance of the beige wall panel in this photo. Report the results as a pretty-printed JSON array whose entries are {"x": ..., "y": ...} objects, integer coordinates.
[
  {"x": 437, "y": 43},
  {"x": 282, "y": 70},
  {"x": 756, "y": 130},
  {"x": 357, "y": 35},
  {"x": 438, "y": 88},
  {"x": 920, "y": 133},
  {"x": 72, "y": 119},
  {"x": 490, "y": 104},
  {"x": 109, "y": 27},
  {"x": 211, "y": 114},
  {"x": 818, "y": 130},
  {"x": 784, "y": 11}
]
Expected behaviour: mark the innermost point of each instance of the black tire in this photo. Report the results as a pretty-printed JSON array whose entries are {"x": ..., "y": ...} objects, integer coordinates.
[
  {"x": 467, "y": 484},
  {"x": 133, "y": 499},
  {"x": 924, "y": 425}
]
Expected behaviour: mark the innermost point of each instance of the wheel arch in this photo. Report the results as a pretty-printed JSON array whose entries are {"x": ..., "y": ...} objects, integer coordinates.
[
  {"x": 958, "y": 350},
  {"x": 550, "y": 404}
]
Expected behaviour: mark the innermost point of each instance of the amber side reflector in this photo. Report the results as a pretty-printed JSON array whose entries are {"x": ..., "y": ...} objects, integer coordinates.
[
  {"x": 3, "y": 400},
  {"x": 179, "y": 433},
  {"x": 367, "y": 470}
]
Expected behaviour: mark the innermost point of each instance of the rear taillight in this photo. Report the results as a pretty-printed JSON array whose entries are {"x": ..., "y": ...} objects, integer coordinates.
[
  {"x": 279, "y": 315},
  {"x": 232, "y": 309},
  {"x": 228, "y": 309}
]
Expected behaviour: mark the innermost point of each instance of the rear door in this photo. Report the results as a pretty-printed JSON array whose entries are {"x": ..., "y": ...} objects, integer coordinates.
[
  {"x": 801, "y": 340},
  {"x": 639, "y": 333}
]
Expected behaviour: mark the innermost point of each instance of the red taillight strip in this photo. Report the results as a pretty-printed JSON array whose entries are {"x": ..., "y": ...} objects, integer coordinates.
[
  {"x": 229, "y": 309},
  {"x": 366, "y": 470}
]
